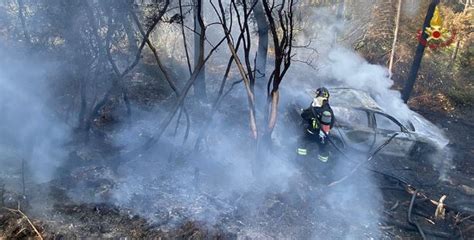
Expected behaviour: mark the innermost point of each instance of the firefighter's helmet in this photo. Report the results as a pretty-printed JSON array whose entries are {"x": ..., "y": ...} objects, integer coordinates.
[
  {"x": 321, "y": 96},
  {"x": 322, "y": 92}
]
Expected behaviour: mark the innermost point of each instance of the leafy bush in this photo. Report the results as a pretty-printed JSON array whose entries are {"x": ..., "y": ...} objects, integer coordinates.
[{"x": 462, "y": 96}]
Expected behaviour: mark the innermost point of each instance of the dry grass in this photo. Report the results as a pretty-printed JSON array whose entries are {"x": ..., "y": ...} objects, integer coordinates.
[{"x": 439, "y": 102}]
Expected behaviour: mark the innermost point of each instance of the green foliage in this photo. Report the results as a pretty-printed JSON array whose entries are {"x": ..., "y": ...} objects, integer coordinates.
[
  {"x": 445, "y": 70},
  {"x": 462, "y": 96}
]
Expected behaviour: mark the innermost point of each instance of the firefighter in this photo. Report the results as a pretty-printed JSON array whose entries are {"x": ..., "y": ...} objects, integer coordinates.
[{"x": 320, "y": 119}]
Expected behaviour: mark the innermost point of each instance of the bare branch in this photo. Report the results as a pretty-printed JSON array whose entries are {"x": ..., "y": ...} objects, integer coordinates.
[
  {"x": 245, "y": 76},
  {"x": 94, "y": 113},
  {"x": 164, "y": 71},
  {"x": 185, "y": 44}
]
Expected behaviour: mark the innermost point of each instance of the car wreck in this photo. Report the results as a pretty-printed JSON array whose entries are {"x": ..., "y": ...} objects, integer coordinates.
[{"x": 361, "y": 126}]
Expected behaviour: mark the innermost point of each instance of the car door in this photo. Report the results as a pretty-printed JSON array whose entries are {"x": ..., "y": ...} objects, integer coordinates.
[
  {"x": 354, "y": 128},
  {"x": 385, "y": 127}
]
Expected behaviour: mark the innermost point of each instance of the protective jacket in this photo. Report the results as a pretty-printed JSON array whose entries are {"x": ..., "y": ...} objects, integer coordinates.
[
  {"x": 320, "y": 119},
  {"x": 315, "y": 117}
]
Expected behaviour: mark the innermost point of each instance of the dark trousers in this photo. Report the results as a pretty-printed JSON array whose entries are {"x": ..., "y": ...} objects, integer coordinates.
[
  {"x": 322, "y": 145},
  {"x": 310, "y": 140},
  {"x": 312, "y": 163}
]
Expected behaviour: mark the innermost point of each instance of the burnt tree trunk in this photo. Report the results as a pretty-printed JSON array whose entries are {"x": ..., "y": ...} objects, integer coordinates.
[
  {"x": 128, "y": 26},
  {"x": 262, "y": 51},
  {"x": 278, "y": 18},
  {"x": 261, "y": 57},
  {"x": 199, "y": 37}
]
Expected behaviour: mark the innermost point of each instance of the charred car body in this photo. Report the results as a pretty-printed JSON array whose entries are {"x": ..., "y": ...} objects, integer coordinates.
[{"x": 361, "y": 126}]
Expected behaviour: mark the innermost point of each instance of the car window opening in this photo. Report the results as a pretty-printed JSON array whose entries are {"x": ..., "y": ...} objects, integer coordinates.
[{"x": 385, "y": 123}]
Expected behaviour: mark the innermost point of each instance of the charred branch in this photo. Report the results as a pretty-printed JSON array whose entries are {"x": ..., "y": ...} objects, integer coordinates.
[
  {"x": 185, "y": 44},
  {"x": 167, "y": 120},
  {"x": 164, "y": 71},
  {"x": 410, "y": 220},
  {"x": 115, "y": 86},
  {"x": 220, "y": 95},
  {"x": 245, "y": 75},
  {"x": 199, "y": 40},
  {"x": 282, "y": 43}
]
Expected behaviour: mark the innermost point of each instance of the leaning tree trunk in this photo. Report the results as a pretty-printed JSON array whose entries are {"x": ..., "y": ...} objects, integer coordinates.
[
  {"x": 246, "y": 76},
  {"x": 410, "y": 82},
  {"x": 395, "y": 36},
  {"x": 21, "y": 13}
]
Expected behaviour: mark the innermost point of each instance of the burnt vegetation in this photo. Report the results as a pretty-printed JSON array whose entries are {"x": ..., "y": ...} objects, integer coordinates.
[{"x": 160, "y": 119}]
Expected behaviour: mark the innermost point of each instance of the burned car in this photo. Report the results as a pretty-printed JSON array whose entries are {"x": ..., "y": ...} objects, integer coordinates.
[{"x": 361, "y": 126}]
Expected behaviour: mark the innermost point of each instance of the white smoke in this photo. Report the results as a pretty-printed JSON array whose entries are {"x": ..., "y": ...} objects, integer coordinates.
[
  {"x": 226, "y": 167},
  {"x": 336, "y": 64},
  {"x": 163, "y": 184},
  {"x": 202, "y": 185},
  {"x": 28, "y": 126},
  {"x": 349, "y": 69}
]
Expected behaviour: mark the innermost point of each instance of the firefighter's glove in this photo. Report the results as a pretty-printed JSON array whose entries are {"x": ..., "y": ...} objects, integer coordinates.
[{"x": 322, "y": 136}]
